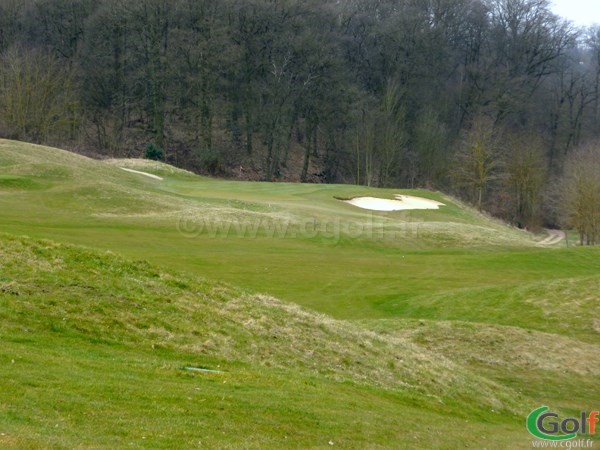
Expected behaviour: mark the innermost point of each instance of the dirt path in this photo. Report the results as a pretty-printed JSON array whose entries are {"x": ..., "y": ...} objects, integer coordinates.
[{"x": 554, "y": 237}]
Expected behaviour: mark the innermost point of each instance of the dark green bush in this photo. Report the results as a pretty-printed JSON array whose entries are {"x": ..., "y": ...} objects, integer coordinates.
[{"x": 154, "y": 152}]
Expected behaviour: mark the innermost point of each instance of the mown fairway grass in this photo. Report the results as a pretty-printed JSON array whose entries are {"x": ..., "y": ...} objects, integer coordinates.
[{"x": 474, "y": 324}]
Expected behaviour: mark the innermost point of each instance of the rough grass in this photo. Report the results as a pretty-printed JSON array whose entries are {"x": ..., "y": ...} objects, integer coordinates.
[
  {"x": 469, "y": 324},
  {"x": 537, "y": 364},
  {"x": 568, "y": 307},
  {"x": 107, "y": 299},
  {"x": 128, "y": 321}
]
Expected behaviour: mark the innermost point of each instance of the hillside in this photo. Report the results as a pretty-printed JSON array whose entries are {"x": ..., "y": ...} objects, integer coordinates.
[
  {"x": 325, "y": 323},
  {"x": 247, "y": 233},
  {"x": 67, "y": 310},
  {"x": 100, "y": 189}
]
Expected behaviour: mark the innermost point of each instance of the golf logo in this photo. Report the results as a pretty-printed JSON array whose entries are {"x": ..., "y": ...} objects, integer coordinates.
[{"x": 544, "y": 424}]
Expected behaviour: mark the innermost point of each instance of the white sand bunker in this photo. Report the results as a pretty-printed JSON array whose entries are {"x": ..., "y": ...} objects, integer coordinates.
[
  {"x": 402, "y": 203},
  {"x": 146, "y": 174}
]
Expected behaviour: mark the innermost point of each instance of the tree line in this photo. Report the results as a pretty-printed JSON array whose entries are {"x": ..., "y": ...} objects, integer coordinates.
[{"x": 493, "y": 100}]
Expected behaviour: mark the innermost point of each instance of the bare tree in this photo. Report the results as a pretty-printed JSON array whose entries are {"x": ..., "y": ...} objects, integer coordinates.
[
  {"x": 37, "y": 96},
  {"x": 477, "y": 160},
  {"x": 392, "y": 137},
  {"x": 580, "y": 194},
  {"x": 364, "y": 151},
  {"x": 430, "y": 145},
  {"x": 525, "y": 176}
]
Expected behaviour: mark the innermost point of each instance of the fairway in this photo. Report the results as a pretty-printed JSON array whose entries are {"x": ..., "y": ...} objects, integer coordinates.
[{"x": 432, "y": 328}]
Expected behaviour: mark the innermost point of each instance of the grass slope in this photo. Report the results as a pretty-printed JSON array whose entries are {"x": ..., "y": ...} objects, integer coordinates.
[
  {"x": 295, "y": 242},
  {"x": 94, "y": 347},
  {"x": 433, "y": 317}
]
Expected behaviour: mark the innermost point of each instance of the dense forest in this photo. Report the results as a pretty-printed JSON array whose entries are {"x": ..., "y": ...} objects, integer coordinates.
[{"x": 494, "y": 100}]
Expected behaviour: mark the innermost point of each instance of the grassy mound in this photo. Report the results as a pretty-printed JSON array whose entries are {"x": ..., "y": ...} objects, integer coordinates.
[
  {"x": 335, "y": 255},
  {"x": 94, "y": 188},
  {"x": 64, "y": 307},
  {"x": 541, "y": 365},
  {"x": 385, "y": 327},
  {"x": 567, "y": 307},
  {"x": 105, "y": 299},
  {"x": 145, "y": 165}
]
